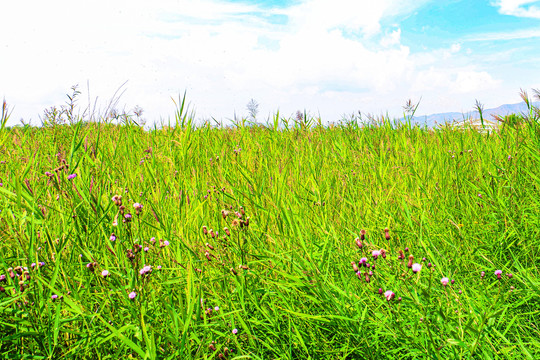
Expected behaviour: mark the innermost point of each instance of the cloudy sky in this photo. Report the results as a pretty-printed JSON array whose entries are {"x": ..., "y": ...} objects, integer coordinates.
[{"x": 329, "y": 57}]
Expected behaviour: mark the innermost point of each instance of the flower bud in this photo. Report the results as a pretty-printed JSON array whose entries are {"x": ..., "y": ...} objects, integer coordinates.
[{"x": 410, "y": 263}]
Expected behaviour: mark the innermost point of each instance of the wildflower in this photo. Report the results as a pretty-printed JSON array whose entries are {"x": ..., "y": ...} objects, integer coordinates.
[
  {"x": 359, "y": 274},
  {"x": 72, "y": 176},
  {"x": 132, "y": 295},
  {"x": 452, "y": 281},
  {"x": 227, "y": 231},
  {"x": 362, "y": 234},
  {"x": 380, "y": 291},
  {"x": 166, "y": 243},
  {"x": 362, "y": 261},
  {"x": 146, "y": 249},
  {"x": 510, "y": 276},
  {"x": 48, "y": 174},
  {"x": 375, "y": 254},
  {"x": 387, "y": 234},
  {"x": 54, "y": 297},
  {"x": 127, "y": 217},
  {"x": 355, "y": 268},
  {"x": 383, "y": 253},
  {"x": 117, "y": 200},
  {"x": 105, "y": 273},
  {"x": 145, "y": 270},
  {"x": 159, "y": 267},
  {"x": 33, "y": 265},
  {"x": 235, "y": 331},
  {"x": 112, "y": 237},
  {"x": 138, "y": 208},
  {"x": 498, "y": 273},
  {"x": 389, "y": 295},
  {"x": 416, "y": 267},
  {"x": 401, "y": 256},
  {"x": 153, "y": 240},
  {"x": 444, "y": 281},
  {"x": 216, "y": 308}
]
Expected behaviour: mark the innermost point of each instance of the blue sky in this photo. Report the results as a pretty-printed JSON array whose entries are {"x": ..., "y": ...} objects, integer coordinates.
[{"x": 328, "y": 57}]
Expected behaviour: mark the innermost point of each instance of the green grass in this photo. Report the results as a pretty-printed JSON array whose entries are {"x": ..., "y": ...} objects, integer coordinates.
[{"x": 466, "y": 201}]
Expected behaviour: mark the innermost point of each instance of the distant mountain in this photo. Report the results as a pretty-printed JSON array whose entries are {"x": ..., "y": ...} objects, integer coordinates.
[{"x": 433, "y": 119}]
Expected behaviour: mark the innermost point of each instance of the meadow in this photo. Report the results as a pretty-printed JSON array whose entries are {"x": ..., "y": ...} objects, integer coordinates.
[{"x": 289, "y": 240}]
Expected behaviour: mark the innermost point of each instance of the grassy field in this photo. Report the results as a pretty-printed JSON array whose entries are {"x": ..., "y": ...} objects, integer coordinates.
[{"x": 286, "y": 241}]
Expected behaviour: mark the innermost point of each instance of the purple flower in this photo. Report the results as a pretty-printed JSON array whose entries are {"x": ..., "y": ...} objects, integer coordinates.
[
  {"x": 216, "y": 308},
  {"x": 2, "y": 278},
  {"x": 444, "y": 281},
  {"x": 48, "y": 174},
  {"x": 72, "y": 176},
  {"x": 166, "y": 243},
  {"x": 389, "y": 295},
  {"x": 54, "y": 297},
  {"x": 152, "y": 240},
  {"x": 498, "y": 273},
  {"x": 132, "y": 295},
  {"x": 380, "y": 291},
  {"x": 112, "y": 237},
  {"x": 416, "y": 268},
  {"x": 159, "y": 267},
  {"x": 510, "y": 276},
  {"x": 145, "y": 270},
  {"x": 105, "y": 273},
  {"x": 235, "y": 331},
  {"x": 146, "y": 249},
  {"x": 375, "y": 254},
  {"x": 362, "y": 261}
]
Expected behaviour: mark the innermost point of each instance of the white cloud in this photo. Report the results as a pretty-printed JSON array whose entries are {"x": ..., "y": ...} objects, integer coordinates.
[
  {"x": 521, "y": 8},
  {"x": 328, "y": 57}
]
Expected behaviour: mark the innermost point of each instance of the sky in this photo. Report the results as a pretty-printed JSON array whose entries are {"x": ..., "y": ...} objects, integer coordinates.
[{"x": 328, "y": 58}]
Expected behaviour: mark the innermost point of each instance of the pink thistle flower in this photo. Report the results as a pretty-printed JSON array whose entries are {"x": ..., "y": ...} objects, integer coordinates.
[
  {"x": 498, "y": 273},
  {"x": 235, "y": 331},
  {"x": 362, "y": 261},
  {"x": 132, "y": 295},
  {"x": 72, "y": 176},
  {"x": 444, "y": 281},
  {"x": 375, "y": 254},
  {"x": 416, "y": 267},
  {"x": 389, "y": 295}
]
